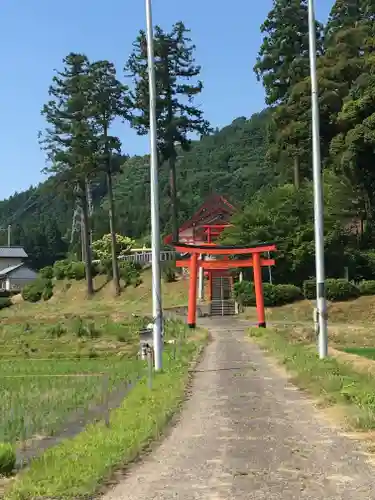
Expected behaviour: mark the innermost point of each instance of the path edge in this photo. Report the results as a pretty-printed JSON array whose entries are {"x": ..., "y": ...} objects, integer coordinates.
[{"x": 123, "y": 470}]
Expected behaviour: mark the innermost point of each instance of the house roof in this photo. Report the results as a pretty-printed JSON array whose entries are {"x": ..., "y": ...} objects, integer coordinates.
[
  {"x": 215, "y": 208},
  {"x": 12, "y": 252},
  {"x": 10, "y": 269}
]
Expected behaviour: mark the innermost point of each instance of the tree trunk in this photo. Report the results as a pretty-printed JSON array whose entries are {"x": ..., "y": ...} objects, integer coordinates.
[
  {"x": 173, "y": 189},
  {"x": 296, "y": 172},
  {"x": 88, "y": 257},
  {"x": 111, "y": 215}
]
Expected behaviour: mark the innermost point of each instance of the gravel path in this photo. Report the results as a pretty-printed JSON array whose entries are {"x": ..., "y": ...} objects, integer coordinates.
[{"x": 246, "y": 433}]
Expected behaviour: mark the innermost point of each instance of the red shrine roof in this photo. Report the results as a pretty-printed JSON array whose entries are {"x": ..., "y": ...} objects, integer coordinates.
[{"x": 215, "y": 211}]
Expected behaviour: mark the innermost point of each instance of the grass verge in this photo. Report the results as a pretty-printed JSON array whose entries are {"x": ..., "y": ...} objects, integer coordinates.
[
  {"x": 366, "y": 352},
  {"x": 332, "y": 381},
  {"x": 77, "y": 467}
]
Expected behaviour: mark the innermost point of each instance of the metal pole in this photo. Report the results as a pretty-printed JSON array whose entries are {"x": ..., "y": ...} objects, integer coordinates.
[
  {"x": 270, "y": 270},
  {"x": 318, "y": 191},
  {"x": 155, "y": 232},
  {"x": 9, "y": 235}
]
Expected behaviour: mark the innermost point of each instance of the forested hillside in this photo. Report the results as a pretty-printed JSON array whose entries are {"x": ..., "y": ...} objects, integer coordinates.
[
  {"x": 262, "y": 164},
  {"x": 230, "y": 161}
]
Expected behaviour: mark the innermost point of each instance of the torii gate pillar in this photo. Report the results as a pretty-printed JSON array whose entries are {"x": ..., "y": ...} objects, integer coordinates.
[{"x": 192, "y": 306}]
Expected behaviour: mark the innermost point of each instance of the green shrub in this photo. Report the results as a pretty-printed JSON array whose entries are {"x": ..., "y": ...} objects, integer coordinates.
[
  {"x": 32, "y": 293},
  {"x": 337, "y": 290},
  {"x": 37, "y": 289},
  {"x": 129, "y": 273},
  {"x": 309, "y": 289},
  {"x": 169, "y": 272},
  {"x": 274, "y": 295},
  {"x": 76, "y": 271},
  {"x": 288, "y": 293},
  {"x": 244, "y": 293},
  {"x": 5, "y": 302},
  {"x": 7, "y": 459},
  {"x": 367, "y": 287},
  {"x": 61, "y": 269},
  {"x": 47, "y": 293},
  {"x": 46, "y": 272}
]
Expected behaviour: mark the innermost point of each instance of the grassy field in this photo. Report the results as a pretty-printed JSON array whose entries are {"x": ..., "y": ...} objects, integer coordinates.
[
  {"x": 345, "y": 380},
  {"x": 77, "y": 467},
  {"x": 333, "y": 381},
  {"x": 350, "y": 324},
  {"x": 63, "y": 355},
  {"x": 361, "y": 310},
  {"x": 366, "y": 352},
  {"x": 70, "y": 299}
]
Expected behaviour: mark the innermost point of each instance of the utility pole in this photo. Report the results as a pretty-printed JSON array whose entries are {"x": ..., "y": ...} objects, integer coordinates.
[
  {"x": 157, "y": 311},
  {"x": 9, "y": 235},
  {"x": 321, "y": 304}
]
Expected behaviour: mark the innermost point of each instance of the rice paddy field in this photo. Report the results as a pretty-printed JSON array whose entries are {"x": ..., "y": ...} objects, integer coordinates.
[
  {"x": 48, "y": 372},
  {"x": 36, "y": 396},
  {"x": 67, "y": 355}
]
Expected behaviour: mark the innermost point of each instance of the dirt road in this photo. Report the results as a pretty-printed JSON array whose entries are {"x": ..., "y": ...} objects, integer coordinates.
[{"x": 246, "y": 433}]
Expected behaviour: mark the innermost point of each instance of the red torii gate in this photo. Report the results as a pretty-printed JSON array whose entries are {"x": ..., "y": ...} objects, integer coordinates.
[{"x": 256, "y": 261}]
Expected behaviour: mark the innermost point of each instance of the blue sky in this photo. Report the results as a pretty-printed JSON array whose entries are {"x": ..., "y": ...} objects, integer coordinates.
[{"x": 35, "y": 35}]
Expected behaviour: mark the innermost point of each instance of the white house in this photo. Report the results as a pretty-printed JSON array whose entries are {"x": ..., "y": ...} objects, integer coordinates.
[{"x": 14, "y": 273}]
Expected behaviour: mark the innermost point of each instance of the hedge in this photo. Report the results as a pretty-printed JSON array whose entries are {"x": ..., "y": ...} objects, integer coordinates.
[
  {"x": 274, "y": 295},
  {"x": 367, "y": 287},
  {"x": 337, "y": 290}
]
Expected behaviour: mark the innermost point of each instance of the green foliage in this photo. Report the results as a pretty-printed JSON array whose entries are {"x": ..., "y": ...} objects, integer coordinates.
[
  {"x": 5, "y": 302},
  {"x": 76, "y": 271},
  {"x": 129, "y": 273},
  {"x": 176, "y": 115},
  {"x": 38, "y": 289},
  {"x": 7, "y": 459},
  {"x": 46, "y": 272},
  {"x": 367, "y": 287},
  {"x": 274, "y": 295},
  {"x": 263, "y": 165},
  {"x": 309, "y": 289},
  {"x": 32, "y": 292},
  {"x": 102, "y": 247},
  {"x": 337, "y": 290},
  {"x": 283, "y": 58},
  {"x": 47, "y": 293},
  {"x": 70, "y": 270},
  {"x": 169, "y": 272},
  {"x": 61, "y": 269}
]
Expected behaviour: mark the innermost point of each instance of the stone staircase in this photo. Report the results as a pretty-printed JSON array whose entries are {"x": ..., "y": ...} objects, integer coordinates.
[{"x": 222, "y": 303}]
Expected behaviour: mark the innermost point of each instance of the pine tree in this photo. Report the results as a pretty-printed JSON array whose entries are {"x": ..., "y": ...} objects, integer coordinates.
[
  {"x": 109, "y": 101},
  {"x": 69, "y": 141},
  {"x": 344, "y": 14},
  {"x": 283, "y": 66},
  {"x": 283, "y": 58},
  {"x": 177, "y": 116}
]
